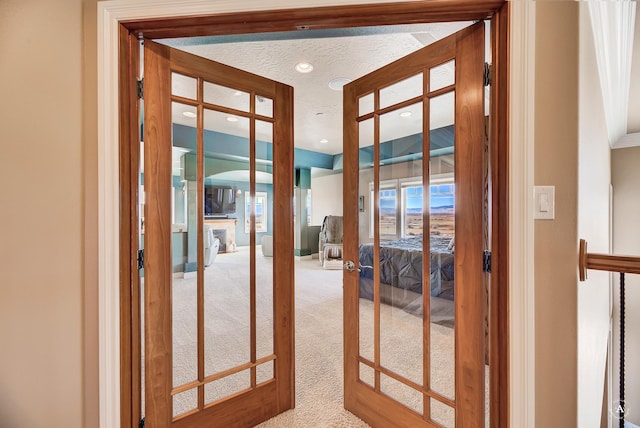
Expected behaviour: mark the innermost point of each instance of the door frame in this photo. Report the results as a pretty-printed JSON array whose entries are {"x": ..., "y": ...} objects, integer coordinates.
[{"x": 517, "y": 368}]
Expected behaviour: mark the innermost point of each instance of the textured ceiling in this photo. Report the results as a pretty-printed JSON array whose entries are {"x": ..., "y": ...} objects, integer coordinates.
[
  {"x": 349, "y": 54},
  {"x": 344, "y": 53}
]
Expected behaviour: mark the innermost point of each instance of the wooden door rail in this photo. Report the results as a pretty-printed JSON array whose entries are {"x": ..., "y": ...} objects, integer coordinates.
[{"x": 607, "y": 262}]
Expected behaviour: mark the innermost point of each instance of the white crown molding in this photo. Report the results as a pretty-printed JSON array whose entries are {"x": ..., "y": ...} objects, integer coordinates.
[
  {"x": 110, "y": 13},
  {"x": 628, "y": 140}
]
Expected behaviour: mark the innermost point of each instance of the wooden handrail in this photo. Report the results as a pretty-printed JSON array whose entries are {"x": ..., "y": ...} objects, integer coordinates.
[{"x": 607, "y": 262}]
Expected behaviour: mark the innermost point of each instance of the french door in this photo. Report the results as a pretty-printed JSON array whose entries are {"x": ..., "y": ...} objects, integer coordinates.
[
  {"x": 414, "y": 313},
  {"x": 218, "y": 332}
]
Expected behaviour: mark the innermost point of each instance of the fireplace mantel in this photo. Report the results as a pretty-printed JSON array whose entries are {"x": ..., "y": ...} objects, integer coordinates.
[{"x": 228, "y": 224}]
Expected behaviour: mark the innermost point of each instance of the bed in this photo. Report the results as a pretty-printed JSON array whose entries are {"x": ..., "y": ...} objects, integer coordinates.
[{"x": 401, "y": 272}]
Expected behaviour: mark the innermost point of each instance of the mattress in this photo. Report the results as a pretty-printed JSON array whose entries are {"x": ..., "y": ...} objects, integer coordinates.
[{"x": 401, "y": 266}]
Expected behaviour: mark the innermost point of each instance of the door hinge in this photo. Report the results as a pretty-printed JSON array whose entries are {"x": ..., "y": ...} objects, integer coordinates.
[
  {"x": 141, "y": 424},
  {"x": 140, "y": 88},
  {"x": 487, "y": 74},
  {"x": 486, "y": 261},
  {"x": 140, "y": 259}
]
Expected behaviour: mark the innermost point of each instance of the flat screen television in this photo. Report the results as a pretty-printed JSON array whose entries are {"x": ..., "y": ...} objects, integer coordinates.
[{"x": 219, "y": 200}]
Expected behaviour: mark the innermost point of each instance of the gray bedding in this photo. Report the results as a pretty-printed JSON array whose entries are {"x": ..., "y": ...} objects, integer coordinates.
[{"x": 401, "y": 266}]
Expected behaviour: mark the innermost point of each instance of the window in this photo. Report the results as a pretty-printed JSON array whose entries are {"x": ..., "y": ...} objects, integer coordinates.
[
  {"x": 261, "y": 212},
  {"x": 442, "y": 208},
  {"x": 412, "y": 210},
  {"x": 388, "y": 209},
  {"x": 401, "y": 203}
]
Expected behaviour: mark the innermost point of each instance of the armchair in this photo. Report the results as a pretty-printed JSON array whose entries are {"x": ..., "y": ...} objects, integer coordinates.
[{"x": 330, "y": 242}]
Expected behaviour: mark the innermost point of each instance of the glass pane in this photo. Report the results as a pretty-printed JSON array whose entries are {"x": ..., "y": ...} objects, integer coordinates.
[
  {"x": 441, "y": 219},
  {"x": 264, "y": 372},
  {"x": 412, "y": 221},
  {"x": 442, "y": 75},
  {"x": 388, "y": 203},
  {"x": 184, "y": 241},
  {"x": 264, "y": 106},
  {"x": 220, "y": 132},
  {"x": 184, "y": 86},
  {"x": 259, "y": 206},
  {"x": 405, "y": 123},
  {"x": 402, "y": 393},
  {"x": 401, "y": 91},
  {"x": 226, "y": 97},
  {"x": 443, "y": 414},
  {"x": 264, "y": 141},
  {"x": 400, "y": 256},
  {"x": 228, "y": 385},
  {"x": 442, "y": 113},
  {"x": 401, "y": 331},
  {"x": 365, "y": 104},
  {"x": 185, "y": 401},
  {"x": 366, "y": 310},
  {"x": 263, "y": 229},
  {"x": 227, "y": 306},
  {"x": 367, "y": 374}
]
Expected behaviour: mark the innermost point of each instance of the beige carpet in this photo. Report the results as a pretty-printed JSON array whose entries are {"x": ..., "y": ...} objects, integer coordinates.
[{"x": 319, "y": 369}]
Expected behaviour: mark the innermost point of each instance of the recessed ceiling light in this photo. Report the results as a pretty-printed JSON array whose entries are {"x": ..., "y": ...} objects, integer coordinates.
[
  {"x": 324, "y": 141},
  {"x": 337, "y": 83},
  {"x": 189, "y": 114},
  {"x": 405, "y": 114},
  {"x": 304, "y": 67},
  {"x": 232, "y": 119},
  {"x": 238, "y": 93}
]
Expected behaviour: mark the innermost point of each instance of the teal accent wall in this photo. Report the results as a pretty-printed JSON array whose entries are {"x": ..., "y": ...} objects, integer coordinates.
[
  {"x": 309, "y": 159},
  {"x": 230, "y": 147},
  {"x": 303, "y": 178},
  {"x": 405, "y": 149}
]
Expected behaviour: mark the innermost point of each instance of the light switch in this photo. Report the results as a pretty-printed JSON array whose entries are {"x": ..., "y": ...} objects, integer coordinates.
[{"x": 544, "y": 202}]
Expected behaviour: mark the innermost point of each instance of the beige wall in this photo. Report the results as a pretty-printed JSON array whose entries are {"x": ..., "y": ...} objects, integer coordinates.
[
  {"x": 556, "y": 163},
  {"x": 326, "y": 197},
  {"x": 42, "y": 260},
  {"x": 625, "y": 176},
  {"x": 90, "y": 166},
  {"x": 594, "y": 178}
]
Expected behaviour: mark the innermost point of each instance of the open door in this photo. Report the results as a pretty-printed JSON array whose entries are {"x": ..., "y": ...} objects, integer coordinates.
[
  {"x": 413, "y": 357},
  {"x": 218, "y": 157}
]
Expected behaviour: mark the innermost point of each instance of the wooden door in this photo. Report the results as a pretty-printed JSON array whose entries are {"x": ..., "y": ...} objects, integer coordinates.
[
  {"x": 218, "y": 348},
  {"x": 413, "y": 156}
]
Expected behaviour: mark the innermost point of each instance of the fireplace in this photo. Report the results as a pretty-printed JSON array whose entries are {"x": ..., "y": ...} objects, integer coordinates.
[{"x": 225, "y": 230}]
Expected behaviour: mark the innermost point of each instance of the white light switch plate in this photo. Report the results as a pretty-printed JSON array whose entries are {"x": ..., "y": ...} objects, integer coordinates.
[{"x": 544, "y": 203}]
